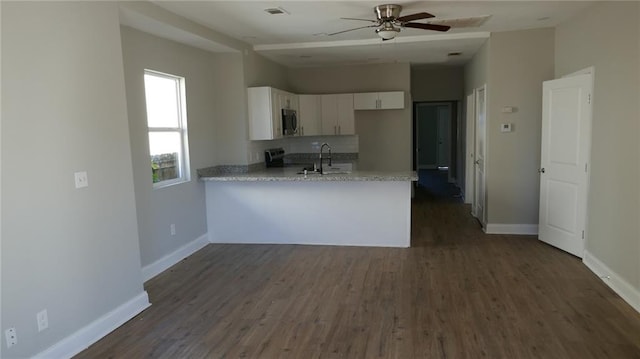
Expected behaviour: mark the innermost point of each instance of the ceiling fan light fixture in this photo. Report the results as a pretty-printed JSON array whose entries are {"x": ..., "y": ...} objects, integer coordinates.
[
  {"x": 387, "y": 31},
  {"x": 387, "y": 34}
]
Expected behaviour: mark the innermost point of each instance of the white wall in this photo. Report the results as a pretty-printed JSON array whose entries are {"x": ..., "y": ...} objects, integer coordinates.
[
  {"x": 607, "y": 36},
  {"x": 71, "y": 251},
  {"x": 384, "y": 136}
]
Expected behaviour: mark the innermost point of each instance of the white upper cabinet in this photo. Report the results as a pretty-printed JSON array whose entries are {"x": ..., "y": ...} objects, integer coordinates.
[
  {"x": 265, "y": 111},
  {"x": 337, "y": 117},
  {"x": 309, "y": 115},
  {"x": 378, "y": 100}
]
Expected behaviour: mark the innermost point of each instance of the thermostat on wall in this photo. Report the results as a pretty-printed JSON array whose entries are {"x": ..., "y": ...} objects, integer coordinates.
[{"x": 505, "y": 127}]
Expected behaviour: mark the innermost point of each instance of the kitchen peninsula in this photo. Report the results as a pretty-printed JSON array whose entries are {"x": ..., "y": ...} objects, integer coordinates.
[{"x": 280, "y": 205}]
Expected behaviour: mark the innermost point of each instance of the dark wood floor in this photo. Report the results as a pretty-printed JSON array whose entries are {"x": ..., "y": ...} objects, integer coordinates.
[{"x": 456, "y": 293}]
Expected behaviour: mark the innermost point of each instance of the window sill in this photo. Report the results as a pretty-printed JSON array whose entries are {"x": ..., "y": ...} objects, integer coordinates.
[{"x": 170, "y": 183}]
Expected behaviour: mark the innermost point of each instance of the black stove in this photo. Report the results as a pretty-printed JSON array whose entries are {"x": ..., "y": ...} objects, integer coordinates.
[{"x": 274, "y": 157}]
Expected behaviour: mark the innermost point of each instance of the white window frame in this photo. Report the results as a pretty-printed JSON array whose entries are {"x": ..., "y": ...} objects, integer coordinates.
[{"x": 184, "y": 172}]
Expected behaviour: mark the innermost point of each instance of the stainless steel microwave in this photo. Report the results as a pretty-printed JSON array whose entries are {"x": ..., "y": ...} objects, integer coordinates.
[{"x": 289, "y": 122}]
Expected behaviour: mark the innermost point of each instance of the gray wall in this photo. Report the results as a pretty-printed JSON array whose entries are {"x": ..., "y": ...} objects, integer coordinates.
[
  {"x": 607, "y": 37},
  {"x": 476, "y": 71},
  {"x": 182, "y": 204},
  {"x": 519, "y": 61},
  {"x": 437, "y": 83},
  {"x": 384, "y": 136},
  {"x": 513, "y": 65},
  {"x": 72, "y": 251}
]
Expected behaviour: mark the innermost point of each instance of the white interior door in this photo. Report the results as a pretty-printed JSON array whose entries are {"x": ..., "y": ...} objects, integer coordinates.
[
  {"x": 480, "y": 155},
  {"x": 566, "y": 134},
  {"x": 469, "y": 150}
]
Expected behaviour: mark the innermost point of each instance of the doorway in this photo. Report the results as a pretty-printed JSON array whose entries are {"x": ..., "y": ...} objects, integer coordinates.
[
  {"x": 478, "y": 208},
  {"x": 435, "y": 141}
]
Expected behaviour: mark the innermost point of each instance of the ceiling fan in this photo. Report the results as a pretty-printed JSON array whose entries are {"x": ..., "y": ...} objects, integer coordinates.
[{"x": 389, "y": 22}]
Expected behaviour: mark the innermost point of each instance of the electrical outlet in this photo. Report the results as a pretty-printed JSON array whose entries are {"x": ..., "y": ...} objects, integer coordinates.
[
  {"x": 172, "y": 228},
  {"x": 43, "y": 320},
  {"x": 12, "y": 337}
]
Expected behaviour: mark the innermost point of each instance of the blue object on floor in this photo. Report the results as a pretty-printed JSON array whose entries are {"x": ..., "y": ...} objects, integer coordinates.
[{"x": 436, "y": 184}]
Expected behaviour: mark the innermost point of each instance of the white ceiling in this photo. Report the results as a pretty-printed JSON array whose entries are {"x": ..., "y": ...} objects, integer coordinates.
[{"x": 299, "y": 39}]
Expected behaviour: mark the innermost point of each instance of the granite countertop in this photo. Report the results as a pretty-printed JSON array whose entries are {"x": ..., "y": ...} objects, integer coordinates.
[{"x": 291, "y": 174}]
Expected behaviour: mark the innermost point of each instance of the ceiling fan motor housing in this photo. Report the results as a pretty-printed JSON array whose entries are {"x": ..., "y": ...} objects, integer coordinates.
[{"x": 388, "y": 12}]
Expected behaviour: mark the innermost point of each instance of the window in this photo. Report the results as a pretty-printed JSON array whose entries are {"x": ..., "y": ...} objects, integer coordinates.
[{"x": 167, "y": 127}]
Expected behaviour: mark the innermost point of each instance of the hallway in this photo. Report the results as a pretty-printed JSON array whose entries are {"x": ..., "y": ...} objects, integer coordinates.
[{"x": 456, "y": 293}]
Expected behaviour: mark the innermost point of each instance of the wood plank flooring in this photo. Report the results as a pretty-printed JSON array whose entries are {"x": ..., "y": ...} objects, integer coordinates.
[{"x": 456, "y": 293}]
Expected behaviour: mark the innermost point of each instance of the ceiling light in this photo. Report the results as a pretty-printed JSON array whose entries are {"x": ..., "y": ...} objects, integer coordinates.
[{"x": 387, "y": 31}]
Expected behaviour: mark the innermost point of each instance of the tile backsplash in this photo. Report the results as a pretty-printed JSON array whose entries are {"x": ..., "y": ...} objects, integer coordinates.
[{"x": 307, "y": 144}]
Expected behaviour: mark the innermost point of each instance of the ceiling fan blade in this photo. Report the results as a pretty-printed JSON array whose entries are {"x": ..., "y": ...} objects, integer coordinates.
[
  {"x": 416, "y": 16},
  {"x": 357, "y": 28},
  {"x": 353, "y": 18},
  {"x": 433, "y": 27}
]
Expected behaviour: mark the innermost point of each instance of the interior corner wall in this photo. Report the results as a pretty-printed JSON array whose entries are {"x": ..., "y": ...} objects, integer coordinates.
[
  {"x": 182, "y": 204},
  {"x": 71, "y": 251},
  {"x": 385, "y": 136},
  {"x": 476, "y": 71},
  {"x": 607, "y": 37},
  {"x": 261, "y": 71},
  {"x": 519, "y": 61}
]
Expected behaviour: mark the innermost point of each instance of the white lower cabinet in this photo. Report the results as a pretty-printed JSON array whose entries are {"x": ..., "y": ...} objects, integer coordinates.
[{"x": 337, "y": 115}]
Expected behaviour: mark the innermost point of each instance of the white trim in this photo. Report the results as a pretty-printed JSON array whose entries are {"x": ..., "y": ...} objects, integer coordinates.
[
  {"x": 151, "y": 270},
  {"x": 96, "y": 330},
  {"x": 623, "y": 288},
  {"x": 499, "y": 228},
  {"x": 586, "y": 71},
  {"x": 374, "y": 41}
]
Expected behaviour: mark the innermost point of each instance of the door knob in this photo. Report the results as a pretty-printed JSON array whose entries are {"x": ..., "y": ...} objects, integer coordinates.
[{"x": 541, "y": 170}]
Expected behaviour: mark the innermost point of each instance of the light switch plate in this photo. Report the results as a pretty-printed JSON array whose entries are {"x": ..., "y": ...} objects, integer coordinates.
[
  {"x": 505, "y": 127},
  {"x": 81, "y": 179}
]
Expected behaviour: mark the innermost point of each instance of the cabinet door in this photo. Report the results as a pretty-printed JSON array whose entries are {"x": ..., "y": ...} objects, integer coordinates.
[
  {"x": 261, "y": 112},
  {"x": 365, "y": 101},
  {"x": 309, "y": 115},
  {"x": 329, "y": 114},
  {"x": 391, "y": 100},
  {"x": 346, "y": 117},
  {"x": 277, "y": 98}
]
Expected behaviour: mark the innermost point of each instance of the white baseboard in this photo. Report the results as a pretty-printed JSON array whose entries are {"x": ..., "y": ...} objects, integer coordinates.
[
  {"x": 499, "y": 228},
  {"x": 151, "y": 270},
  {"x": 625, "y": 290},
  {"x": 83, "y": 338}
]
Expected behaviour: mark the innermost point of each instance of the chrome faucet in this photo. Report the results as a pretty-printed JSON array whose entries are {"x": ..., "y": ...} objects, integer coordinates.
[{"x": 322, "y": 148}]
